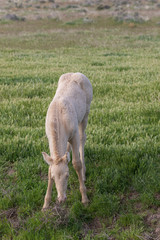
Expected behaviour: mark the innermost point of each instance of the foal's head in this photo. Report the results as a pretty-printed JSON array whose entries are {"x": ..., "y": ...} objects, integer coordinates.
[{"x": 60, "y": 173}]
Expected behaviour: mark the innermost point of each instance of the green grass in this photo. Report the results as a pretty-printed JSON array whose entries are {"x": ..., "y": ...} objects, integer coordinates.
[{"x": 122, "y": 151}]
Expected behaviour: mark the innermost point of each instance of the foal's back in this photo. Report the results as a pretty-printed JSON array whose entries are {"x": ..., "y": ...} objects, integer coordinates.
[
  {"x": 70, "y": 105},
  {"x": 74, "y": 94}
]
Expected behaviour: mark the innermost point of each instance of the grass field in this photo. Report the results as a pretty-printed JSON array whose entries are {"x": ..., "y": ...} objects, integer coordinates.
[{"x": 122, "y": 151}]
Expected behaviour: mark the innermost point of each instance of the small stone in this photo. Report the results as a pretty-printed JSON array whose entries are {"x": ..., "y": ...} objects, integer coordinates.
[
  {"x": 136, "y": 14},
  {"x": 39, "y": 18},
  {"x": 72, "y": 6},
  {"x": 157, "y": 230},
  {"x": 124, "y": 2},
  {"x": 54, "y": 6},
  {"x": 103, "y": 7},
  {"x": 13, "y": 17},
  {"x": 87, "y": 20}
]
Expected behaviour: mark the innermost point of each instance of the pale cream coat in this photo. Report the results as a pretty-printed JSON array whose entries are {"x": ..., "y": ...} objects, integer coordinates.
[{"x": 66, "y": 122}]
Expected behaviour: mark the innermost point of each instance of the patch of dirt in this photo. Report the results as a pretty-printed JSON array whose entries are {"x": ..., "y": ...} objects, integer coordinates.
[
  {"x": 11, "y": 172},
  {"x": 153, "y": 222},
  {"x": 12, "y": 217},
  {"x": 57, "y": 215},
  {"x": 133, "y": 195},
  {"x": 151, "y": 219},
  {"x": 151, "y": 216},
  {"x": 96, "y": 226}
]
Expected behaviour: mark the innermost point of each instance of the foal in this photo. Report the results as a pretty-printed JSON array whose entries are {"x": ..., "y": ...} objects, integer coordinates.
[{"x": 66, "y": 122}]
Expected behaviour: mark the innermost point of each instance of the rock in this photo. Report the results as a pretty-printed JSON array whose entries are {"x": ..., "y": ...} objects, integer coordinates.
[
  {"x": 13, "y": 17},
  {"x": 87, "y": 20},
  {"x": 124, "y": 2},
  {"x": 54, "y": 6},
  {"x": 53, "y": 16},
  {"x": 20, "y": 5},
  {"x": 39, "y": 18},
  {"x": 153, "y": 1},
  {"x": 146, "y": 18},
  {"x": 123, "y": 16},
  {"x": 28, "y": 5},
  {"x": 136, "y": 14},
  {"x": 82, "y": 10},
  {"x": 88, "y": 3},
  {"x": 72, "y": 6},
  {"x": 103, "y": 7}
]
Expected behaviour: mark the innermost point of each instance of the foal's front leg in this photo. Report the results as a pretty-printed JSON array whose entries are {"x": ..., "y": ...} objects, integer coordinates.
[
  {"x": 81, "y": 151},
  {"x": 82, "y": 127},
  {"x": 77, "y": 164},
  {"x": 47, "y": 198}
]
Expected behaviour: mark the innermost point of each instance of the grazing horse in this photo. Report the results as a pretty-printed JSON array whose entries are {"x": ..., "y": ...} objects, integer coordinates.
[{"x": 66, "y": 122}]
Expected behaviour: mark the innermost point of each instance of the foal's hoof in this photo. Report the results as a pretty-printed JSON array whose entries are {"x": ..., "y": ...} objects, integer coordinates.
[
  {"x": 84, "y": 178},
  {"x": 44, "y": 209},
  {"x": 85, "y": 202}
]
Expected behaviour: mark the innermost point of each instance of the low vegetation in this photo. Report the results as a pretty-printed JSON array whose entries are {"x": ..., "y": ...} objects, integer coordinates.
[{"x": 122, "y": 151}]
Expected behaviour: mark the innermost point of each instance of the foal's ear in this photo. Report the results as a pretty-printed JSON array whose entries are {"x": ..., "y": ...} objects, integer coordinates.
[{"x": 47, "y": 158}]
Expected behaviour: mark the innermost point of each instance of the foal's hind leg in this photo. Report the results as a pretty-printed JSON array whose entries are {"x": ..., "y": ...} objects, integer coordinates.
[{"x": 82, "y": 127}]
